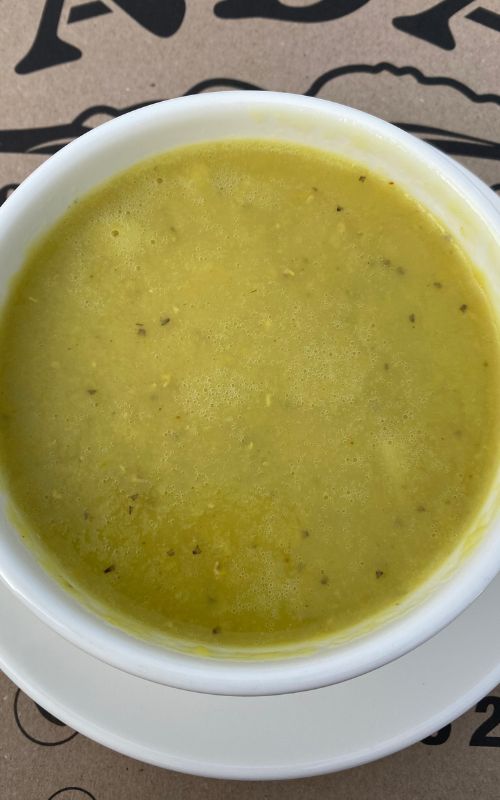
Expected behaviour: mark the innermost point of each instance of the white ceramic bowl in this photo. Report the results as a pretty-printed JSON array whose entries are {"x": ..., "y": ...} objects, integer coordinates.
[{"x": 441, "y": 185}]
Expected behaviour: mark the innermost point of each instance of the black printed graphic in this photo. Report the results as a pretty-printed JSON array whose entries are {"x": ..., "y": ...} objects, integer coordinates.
[
  {"x": 6, "y": 191},
  {"x": 72, "y": 793},
  {"x": 385, "y": 66},
  {"x": 440, "y": 737},
  {"x": 487, "y": 18},
  {"x": 221, "y": 83},
  {"x": 484, "y": 736},
  {"x": 94, "y": 8},
  {"x": 38, "y": 725},
  {"x": 48, "y": 49},
  {"x": 453, "y": 143},
  {"x": 49, "y": 717},
  {"x": 49, "y": 139},
  {"x": 434, "y": 92},
  {"x": 161, "y": 17},
  {"x": 433, "y": 25},
  {"x": 321, "y": 11}
]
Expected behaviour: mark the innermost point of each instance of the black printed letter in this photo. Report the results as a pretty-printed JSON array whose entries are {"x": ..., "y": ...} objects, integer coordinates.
[
  {"x": 321, "y": 11},
  {"x": 433, "y": 25},
  {"x": 161, "y": 17}
]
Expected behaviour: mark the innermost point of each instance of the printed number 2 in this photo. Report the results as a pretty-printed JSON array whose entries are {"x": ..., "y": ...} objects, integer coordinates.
[{"x": 480, "y": 736}]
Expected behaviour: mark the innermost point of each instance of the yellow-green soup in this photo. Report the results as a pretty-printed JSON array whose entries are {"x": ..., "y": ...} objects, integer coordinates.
[{"x": 249, "y": 394}]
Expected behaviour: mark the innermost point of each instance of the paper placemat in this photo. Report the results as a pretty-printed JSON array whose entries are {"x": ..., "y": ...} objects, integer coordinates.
[{"x": 66, "y": 66}]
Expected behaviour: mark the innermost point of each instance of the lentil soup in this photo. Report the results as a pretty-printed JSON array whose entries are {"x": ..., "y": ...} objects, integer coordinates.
[{"x": 249, "y": 394}]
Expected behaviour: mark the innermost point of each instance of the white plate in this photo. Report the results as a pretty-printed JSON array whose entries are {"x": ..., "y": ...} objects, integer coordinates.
[
  {"x": 289, "y": 736},
  {"x": 258, "y": 737}
]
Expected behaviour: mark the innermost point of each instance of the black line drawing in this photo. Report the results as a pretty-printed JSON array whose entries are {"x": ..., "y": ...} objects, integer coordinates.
[
  {"x": 385, "y": 66},
  {"x": 74, "y": 793},
  {"x": 226, "y": 83},
  {"x": 33, "y": 736},
  {"x": 454, "y": 143},
  {"x": 49, "y": 139}
]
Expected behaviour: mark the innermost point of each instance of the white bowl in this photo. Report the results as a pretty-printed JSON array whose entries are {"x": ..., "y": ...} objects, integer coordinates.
[{"x": 441, "y": 185}]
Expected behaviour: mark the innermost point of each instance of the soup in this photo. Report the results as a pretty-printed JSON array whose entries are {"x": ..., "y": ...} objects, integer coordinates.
[{"x": 249, "y": 395}]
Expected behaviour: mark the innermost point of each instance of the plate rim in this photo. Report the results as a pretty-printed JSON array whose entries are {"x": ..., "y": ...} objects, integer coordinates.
[{"x": 216, "y": 769}]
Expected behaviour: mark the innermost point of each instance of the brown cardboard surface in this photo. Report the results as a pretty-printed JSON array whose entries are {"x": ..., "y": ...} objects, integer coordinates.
[{"x": 67, "y": 65}]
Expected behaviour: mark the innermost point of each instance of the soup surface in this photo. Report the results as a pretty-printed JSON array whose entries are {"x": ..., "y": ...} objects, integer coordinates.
[{"x": 249, "y": 394}]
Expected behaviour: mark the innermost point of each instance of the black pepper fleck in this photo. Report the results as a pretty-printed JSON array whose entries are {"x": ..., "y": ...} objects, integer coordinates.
[
  {"x": 165, "y": 321},
  {"x": 378, "y": 573},
  {"x": 197, "y": 550},
  {"x": 109, "y": 569},
  {"x": 91, "y": 391},
  {"x": 412, "y": 318},
  {"x": 216, "y": 630},
  {"x": 463, "y": 308},
  {"x": 362, "y": 178}
]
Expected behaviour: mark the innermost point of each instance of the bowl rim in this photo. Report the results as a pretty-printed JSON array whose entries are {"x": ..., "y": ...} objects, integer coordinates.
[{"x": 76, "y": 623}]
